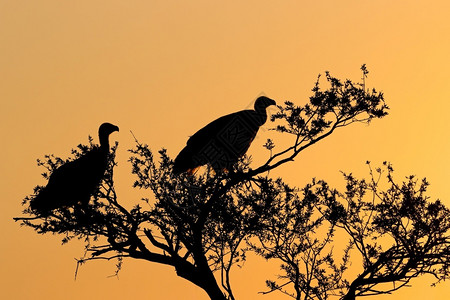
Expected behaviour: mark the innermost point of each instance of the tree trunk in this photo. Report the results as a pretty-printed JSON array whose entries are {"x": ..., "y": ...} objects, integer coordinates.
[
  {"x": 350, "y": 295},
  {"x": 202, "y": 278},
  {"x": 214, "y": 292}
]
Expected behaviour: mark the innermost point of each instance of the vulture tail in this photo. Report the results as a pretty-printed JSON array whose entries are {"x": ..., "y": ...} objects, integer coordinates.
[{"x": 184, "y": 162}]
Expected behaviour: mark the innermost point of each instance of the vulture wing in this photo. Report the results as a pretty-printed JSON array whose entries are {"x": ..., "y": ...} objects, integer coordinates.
[{"x": 220, "y": 143}]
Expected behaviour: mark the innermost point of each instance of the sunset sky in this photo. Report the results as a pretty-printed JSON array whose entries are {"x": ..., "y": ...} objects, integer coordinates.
[{"x": 164, "y": 69}]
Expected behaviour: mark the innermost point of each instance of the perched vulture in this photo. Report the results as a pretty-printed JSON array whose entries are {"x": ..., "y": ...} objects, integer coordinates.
[
  {"x": 222, "y": 142},
  {"x": 74, "y": 182}
]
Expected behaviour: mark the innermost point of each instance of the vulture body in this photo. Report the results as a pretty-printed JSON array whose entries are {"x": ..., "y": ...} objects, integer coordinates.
[
  {"x": 75, "y": 181},
  {"x": 222, "y": 142}
]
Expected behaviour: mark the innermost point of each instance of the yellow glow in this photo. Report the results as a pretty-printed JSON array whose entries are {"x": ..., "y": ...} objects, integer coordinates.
[{"x": 164, "y": 69}]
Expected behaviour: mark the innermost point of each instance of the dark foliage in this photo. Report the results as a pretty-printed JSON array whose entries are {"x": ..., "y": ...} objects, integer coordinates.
[{"x": 391, "y": 234}]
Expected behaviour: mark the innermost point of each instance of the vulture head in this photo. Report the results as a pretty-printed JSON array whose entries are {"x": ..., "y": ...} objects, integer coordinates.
[
  {"x": 262, "y": 103},
  {"x": 260, "y": 108}
]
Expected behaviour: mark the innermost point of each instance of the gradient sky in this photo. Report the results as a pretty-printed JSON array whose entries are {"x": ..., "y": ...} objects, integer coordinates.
[{"x": 166, "y": 68}]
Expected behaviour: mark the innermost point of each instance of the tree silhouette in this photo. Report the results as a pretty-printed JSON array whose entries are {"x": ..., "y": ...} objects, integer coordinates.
[{"x": 204, "y": 225}]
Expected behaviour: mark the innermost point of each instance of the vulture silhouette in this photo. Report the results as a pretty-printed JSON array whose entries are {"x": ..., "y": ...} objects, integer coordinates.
[
  {"x": 75, "y": 181},
  {"x": 222, "y": 142}
]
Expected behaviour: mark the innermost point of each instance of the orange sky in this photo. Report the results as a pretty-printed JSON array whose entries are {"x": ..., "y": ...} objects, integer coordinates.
[{"x": 166, "y": 68}]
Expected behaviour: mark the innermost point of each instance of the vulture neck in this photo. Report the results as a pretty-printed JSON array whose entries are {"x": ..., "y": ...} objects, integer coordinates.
[
  {"x": 104, "y": 142},
  {"x": 261, "y": 114}
]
